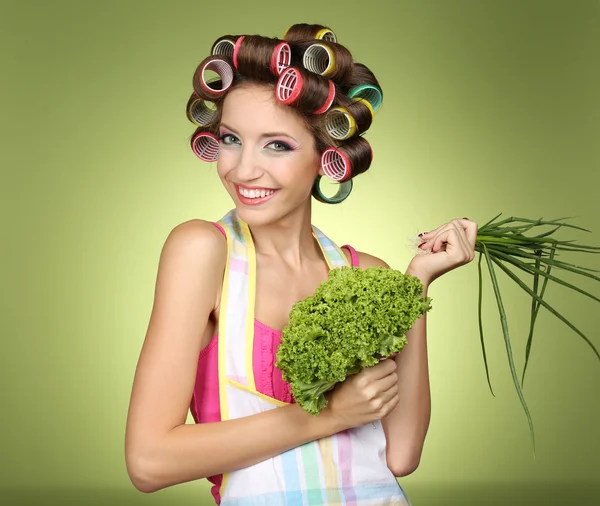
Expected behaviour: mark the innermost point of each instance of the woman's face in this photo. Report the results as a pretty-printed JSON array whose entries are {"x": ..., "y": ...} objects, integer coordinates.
[{"x": 267, "y": 157}]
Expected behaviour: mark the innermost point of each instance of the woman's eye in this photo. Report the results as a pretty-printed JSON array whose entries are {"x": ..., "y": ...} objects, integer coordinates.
[
  {"x": 280, "y": 146},
  {"x": 228, "y": 139}
]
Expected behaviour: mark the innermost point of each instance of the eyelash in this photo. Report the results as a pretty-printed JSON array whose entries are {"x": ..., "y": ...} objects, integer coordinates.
[{"x": 285, "y": 146}]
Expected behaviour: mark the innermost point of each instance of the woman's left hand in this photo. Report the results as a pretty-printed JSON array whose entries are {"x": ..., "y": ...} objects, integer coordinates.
[{"x": 450, "y": 245}]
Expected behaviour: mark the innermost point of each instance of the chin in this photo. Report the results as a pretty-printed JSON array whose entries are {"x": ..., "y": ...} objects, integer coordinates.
[
  {"x": 255, "y": 217},
  {"x": 258, "y": 217},
  {"x": 261, "y": 216}
]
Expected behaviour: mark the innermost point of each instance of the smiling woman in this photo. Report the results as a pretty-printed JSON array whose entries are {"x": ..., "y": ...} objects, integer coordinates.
[
  {"x": 278, "y": 116},
  {"x": 267, "y": 174}
]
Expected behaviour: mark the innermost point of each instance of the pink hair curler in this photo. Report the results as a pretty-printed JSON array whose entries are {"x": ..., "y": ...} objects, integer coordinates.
[
  {"x": 328, "y": 100},
  {"x": 236, "y": 50},
  {"x": 223, "y": 69},
  {"x": 336, "y": 165},
  {"x": 206, "y": 146},
  {"x": 289, "y": 86},
  {"x": 281, "y": 59}
]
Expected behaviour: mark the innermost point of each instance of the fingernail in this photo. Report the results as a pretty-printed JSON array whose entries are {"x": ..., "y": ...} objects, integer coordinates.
[
  {"x": 465, "y": 218},
  {"x": 423, "y": 233}
]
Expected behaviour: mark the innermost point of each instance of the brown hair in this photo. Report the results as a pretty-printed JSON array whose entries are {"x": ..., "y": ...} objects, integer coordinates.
[{"x": 328, "y": 86}]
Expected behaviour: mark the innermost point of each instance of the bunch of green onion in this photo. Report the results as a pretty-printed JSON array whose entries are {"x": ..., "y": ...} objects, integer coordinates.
[{"x": 504, "y": 243}]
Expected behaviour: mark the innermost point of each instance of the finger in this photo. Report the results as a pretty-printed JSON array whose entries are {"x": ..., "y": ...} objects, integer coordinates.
[
  {"x": 379, "y": 402},
  {"x": 431, "y": 237},
  {"x": 460, "y": 229},
  {"x": 470, "y": 229},
  {"x": 381, "y": 370},
  {"x": 389, "y": 398},
  {"x": 468, "y": 233},
  {"x": 471, "y": 232},
  {"x": 449, "y": 237},
  {"x": 426, "y": 236},
  {"x": 387, "y": 382},
  {"x": 390, "y": 393}
]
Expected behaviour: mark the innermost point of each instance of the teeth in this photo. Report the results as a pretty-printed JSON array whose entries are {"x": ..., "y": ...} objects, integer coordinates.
[{"x": 254, "y": 194}]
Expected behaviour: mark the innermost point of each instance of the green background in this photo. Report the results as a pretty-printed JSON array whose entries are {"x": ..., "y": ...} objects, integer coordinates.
[{"x": 489, "y": 107}]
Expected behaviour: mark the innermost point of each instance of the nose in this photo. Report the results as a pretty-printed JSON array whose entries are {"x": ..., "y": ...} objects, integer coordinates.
[{"x": 249, "y": 167}]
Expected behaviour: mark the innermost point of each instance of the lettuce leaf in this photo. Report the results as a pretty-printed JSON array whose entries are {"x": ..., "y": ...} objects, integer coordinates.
[{"x": 353, "y": 320}]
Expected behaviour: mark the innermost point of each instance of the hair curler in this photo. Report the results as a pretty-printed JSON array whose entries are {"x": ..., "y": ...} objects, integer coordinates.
[
  {"x": 206, "y": 146},
  {"x": 368, "y": 92},
  {"x": 201, "y": 112},
  {"x": 222, "y": 67},
  {"x": 224, "y": 46},
  {"x": 320, "y": 59},
  {"x": 304, "y": 31},
  {"x": 281, "y": 58},
  {"x": 291, "y": 87},
  {"x": 328, "y": 100},
  {"x": 366, "y": 103},
  {"x": 326, "y": 34},
  {"x": 236, "y": 50},
  {"x": 347, "y": 161},
  {"x": 340, "y": 124},
  {"x": 336, "y": 165},
  {"x": 344, "y": 190}
]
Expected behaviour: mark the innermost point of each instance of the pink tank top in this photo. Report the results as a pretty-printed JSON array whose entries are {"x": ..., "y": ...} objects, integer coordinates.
[{"x": 205, "y": 406}]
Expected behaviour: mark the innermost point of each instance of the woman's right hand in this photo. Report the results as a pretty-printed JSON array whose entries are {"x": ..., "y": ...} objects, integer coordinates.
[{"x": 365, "y": 397}]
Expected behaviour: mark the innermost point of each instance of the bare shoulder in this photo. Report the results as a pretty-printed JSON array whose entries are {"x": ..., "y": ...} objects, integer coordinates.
[
  {"x": 365, "y": 260},
  {"x": 194, "y": 254},
  {"x": 196, "y": 236}
]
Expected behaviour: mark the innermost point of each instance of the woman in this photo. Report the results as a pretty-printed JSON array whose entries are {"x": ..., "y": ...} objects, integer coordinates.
[{"x": 280, "y": 116}]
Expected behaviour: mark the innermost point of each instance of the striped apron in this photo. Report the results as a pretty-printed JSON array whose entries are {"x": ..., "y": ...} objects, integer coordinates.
[{"x": 348, "y": 468}]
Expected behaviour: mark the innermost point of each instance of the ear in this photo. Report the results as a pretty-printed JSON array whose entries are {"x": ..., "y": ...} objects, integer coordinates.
[{"x": 320, "y": 172}]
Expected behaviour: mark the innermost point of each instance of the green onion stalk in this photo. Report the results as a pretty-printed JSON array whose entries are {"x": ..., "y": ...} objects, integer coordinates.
[{"x": 504, "y": 243}]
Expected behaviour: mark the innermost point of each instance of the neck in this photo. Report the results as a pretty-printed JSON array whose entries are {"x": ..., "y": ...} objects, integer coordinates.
[{"x": 289, "y": 239}]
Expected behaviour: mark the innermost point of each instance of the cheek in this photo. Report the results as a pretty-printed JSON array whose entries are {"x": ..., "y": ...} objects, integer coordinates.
[
  {"x": 225, "y": 163},
  {"x": 294, "y": 171},
  {"x": 311, "y": 165}
]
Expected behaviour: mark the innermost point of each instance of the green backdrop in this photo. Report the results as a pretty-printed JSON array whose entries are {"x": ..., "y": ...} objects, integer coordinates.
[{"x": 489, "y": 107}]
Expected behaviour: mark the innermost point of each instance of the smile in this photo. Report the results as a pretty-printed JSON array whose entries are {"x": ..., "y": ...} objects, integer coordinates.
[{"x": 253, "y": 196}]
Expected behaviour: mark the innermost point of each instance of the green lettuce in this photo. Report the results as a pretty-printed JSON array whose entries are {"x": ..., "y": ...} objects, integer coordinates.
[{"x": 353, "y": 320}]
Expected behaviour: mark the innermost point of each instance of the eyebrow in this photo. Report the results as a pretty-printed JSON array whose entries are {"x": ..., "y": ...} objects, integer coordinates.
[{"x": 264, "y": 135}]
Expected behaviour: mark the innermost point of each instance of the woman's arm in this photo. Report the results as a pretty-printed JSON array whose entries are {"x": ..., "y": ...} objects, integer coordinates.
[
  {"x": 449, "y": 246},
  {"x": 160, "y": 449},
  {"x": 406, "y": 426}
]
